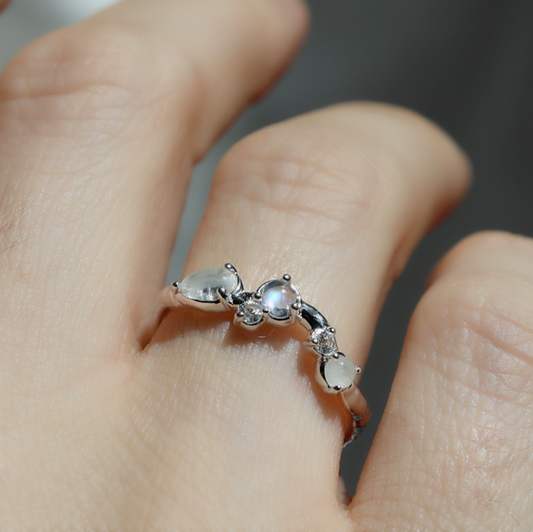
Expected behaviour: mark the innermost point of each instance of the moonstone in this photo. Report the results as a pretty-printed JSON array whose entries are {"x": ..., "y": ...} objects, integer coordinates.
[
  {"x": 203, "y": 285},
  {"x": 339, "y": 372},
  {"x": 278, "y": 297}
]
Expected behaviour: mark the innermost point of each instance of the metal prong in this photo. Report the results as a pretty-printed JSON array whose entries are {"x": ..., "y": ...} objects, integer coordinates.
[
  {"x": 332, "y": 330},
  {"x": 358, "y": 370},
  {"x": 237, "y": 318},
  {"x": 336, "y": 354},
  {"x": 287, "y": 277},
  {"x": 230, "y": 267},
  {"x": 224, "y": 298},
  {"x": 296, "y": 306},
  {"x": 257, "y": 295},
  {"x": 175, "y": 284}
]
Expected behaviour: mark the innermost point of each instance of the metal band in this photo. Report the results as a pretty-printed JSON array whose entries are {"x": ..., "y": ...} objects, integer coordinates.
[{"x": 279, "y": 303}]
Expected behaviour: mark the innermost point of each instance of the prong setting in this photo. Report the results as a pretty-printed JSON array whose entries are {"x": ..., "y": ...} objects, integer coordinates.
[
  {"x": 336, "y": 373},
  {"x": 322, "y": 342},
  {"x": 250, "y": 314}
]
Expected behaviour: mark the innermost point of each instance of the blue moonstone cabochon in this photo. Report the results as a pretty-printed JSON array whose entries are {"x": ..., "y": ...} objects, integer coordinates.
[{"x": 278, "y": 297}]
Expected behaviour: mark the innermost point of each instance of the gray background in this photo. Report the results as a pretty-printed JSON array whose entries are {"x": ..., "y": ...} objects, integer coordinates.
[{"x": 466, "y": 64}]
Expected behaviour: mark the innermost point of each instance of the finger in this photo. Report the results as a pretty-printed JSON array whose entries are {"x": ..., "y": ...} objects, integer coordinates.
[
  {"x": 101, "y": 124},
  {"x": 454, "y": 446},
  {"x": 338, "y": 199}
]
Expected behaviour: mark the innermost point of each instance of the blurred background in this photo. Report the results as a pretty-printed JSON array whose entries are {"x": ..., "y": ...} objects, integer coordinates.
[{"x": 466, "y": 64}]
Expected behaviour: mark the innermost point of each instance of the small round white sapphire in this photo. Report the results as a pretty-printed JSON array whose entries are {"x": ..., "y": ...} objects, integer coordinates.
[
  {"x": 339, "y": 372},
  {"x": 252, "y": 312},
  {"x": 203, "y": 285},
  {"x": 323, "y": 341},
  {"x": 278, "y": 297}
]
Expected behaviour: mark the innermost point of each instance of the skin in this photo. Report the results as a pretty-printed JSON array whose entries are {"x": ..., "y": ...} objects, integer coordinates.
[{"x": 208, "y": 427}]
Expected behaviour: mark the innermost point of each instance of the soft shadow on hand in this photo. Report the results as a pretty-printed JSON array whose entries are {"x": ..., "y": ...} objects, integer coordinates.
[{"x": 267, "y": 339}]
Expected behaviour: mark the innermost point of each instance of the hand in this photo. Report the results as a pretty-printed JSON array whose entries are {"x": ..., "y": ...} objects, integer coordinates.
[{"x": 209, "y": 427}]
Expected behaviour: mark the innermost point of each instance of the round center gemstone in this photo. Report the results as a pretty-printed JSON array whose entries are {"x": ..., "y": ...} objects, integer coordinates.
[
  {"x": 339, "y": 372},
  {"x": 278, "y": 297},
  {"x": 203, "y": 285}
]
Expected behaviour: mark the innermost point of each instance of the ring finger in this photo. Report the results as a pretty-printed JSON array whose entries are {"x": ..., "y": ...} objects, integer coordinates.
[{"x": 337, "y": 198}]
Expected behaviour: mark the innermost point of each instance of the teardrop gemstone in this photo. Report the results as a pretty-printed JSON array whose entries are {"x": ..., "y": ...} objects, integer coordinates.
[{"x": 203, "y": 285}]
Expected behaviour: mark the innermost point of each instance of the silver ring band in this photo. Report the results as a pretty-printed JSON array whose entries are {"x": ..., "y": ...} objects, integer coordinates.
[{"x": 279, "y": 303}]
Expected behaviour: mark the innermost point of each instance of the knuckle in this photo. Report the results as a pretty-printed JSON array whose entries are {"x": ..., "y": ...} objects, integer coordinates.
[
  {"x": 483, "y": 325},
  {"x": 493, "y": 243},
  {"x": 479, "y": 312},
  {"x": 90, "y": 69},
  {"x": 476, "y": 334},
  {"x": 309, "y": 173}
]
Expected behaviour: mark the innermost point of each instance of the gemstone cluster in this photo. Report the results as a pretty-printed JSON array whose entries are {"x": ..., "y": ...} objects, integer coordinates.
[{"x": 279, "y": 303}]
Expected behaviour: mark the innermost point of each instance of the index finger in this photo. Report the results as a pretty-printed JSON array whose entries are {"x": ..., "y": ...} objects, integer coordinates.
[{"x": 101, "y": 124}]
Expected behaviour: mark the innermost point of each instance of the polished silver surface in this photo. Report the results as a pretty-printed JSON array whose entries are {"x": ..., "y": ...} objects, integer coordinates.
[{"x": 277, "y": 302}]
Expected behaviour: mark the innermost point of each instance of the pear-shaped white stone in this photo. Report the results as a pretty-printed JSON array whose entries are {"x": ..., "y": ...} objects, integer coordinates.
[
  {"x": 203, "y": 285},
  {"x": 339, "y": 372},
  {"x": 278, "y": 297}
]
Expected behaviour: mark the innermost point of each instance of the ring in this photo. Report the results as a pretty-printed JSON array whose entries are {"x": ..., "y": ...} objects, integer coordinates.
[{"x": 279, "y": 303}]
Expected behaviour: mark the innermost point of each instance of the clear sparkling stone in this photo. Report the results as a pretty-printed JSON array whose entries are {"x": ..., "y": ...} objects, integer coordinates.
[
  {"x": 278, "y": 297},
  {"x": 203, "y": 285},
  {"x": 324, "y": 341},
  {"x": 339, "y": 372},
  {"x": 252, "y": 312}
]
